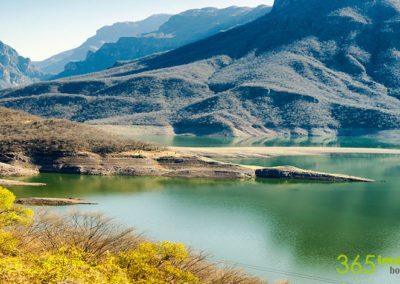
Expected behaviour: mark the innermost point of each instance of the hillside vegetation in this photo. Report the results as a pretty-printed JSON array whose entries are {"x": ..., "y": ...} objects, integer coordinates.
[
  {"x": 309, "y": 67},
  {"x": 90, "y": 248},
  {"x": 29, "y": 135},
  {"x": 29, "y": 144}
]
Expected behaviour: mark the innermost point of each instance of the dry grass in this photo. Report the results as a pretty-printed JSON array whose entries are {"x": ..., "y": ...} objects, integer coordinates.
[
  {"x": 92, "y": 233},
  {"x": 98, "y": 236},
  {"x": 31, "y": 135}
]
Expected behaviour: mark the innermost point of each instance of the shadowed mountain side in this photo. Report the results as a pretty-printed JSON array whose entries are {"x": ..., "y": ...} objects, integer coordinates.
[{"x": 307, "y": 68}]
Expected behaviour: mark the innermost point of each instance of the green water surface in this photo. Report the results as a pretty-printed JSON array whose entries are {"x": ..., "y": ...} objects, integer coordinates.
[{"x": 273, "y": 229}]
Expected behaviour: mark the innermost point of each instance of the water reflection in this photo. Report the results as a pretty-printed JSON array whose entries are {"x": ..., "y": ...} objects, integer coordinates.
[
  {"x": 292, "y": 226},
  {"x": 387, "y": 139}
]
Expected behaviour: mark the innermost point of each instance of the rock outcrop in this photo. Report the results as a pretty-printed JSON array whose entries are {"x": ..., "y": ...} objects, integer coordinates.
[
  {"x": 291, "y": 173},
  {"x": 16, "y": 70},
  {"x": 59, "y": 146}
]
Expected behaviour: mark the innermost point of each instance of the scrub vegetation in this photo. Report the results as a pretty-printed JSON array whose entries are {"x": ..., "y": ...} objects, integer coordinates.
[
  {"x": 29, "y": 135},
  {"x": 90, "y": 248},
  {"x": 304, "y": 69}
]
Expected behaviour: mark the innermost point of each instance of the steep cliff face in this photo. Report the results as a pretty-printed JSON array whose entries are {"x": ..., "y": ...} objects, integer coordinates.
[
  {"x": 15, "y": 70},
  {"x": 309, "y": 67}
]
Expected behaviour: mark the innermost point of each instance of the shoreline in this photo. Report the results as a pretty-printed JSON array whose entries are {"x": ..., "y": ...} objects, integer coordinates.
[
  {"x": 188, "y": 162},
  {"x": 47, "y": 201},
  {"x": 265, "y": 152},
  {"x": 8, "y": 182},
  {"x": 194, "y": 163}
]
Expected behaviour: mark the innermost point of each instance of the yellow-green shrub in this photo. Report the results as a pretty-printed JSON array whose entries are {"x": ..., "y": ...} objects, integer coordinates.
[
  {"x": 11, "y": 215},
  {"x": 157, "y": 263},
  {"x": 88, "y": 248},
  {"x": 62, "y": 266},
  {"x": 150, "y": 263}
]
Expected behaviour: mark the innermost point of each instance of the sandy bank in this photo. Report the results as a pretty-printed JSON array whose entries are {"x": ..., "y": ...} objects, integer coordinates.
[
  {"x": 6, "y": 183},
  {"x": 53, "y": 201},
  {"x": 17, "y": 170},
  {"x": 259, "y": 152},
  {"x": 193, "y": 163}
]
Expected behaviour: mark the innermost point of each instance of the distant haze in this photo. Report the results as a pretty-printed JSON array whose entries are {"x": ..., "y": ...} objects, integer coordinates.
[{"x": 41, "y": 28}]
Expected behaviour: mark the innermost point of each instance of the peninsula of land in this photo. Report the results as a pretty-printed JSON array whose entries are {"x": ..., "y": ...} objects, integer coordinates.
[{"x": 30, "y": 145}]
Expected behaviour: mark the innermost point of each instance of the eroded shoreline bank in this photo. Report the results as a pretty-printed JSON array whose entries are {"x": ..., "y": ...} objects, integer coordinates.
[
  {"x": 193, "y": 163},
  {"x": 264, "y": 152}
]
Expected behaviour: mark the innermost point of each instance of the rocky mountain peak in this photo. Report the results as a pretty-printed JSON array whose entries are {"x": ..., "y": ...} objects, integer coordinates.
[
  {"x": 14, "y": 69},
  {"x": 312, "y": 67}
]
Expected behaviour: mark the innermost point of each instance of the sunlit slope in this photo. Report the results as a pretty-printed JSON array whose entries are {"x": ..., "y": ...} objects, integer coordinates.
[{"x": 308, "y": 67}]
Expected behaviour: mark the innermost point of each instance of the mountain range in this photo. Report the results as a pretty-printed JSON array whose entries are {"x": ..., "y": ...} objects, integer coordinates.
[
  {"x": 14, "y": 69},
  {"x": 178, "y": 30},
  {"x": 106, "y": 34},
  {"x": 309, "y": 67}
]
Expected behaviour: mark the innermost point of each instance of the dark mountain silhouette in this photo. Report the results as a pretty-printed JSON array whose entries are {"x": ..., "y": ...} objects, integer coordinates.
[
  {"x": 107, "y": 34},
  {"x": 15, "y": 70},
  {"x": 181, "y": 29},
  {"x": 310, "y": 67}
]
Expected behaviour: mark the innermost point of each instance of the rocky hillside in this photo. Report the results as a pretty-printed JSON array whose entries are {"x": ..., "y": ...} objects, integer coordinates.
[
  {"x": 107, "y": 34},
  {"x": 15, "y": 70},
  {"x": 26, "y": 135},
  {"x": 309, "y": 67},
  {"x": 181, "y": 29},
  {"x": 29, "y": 144}
]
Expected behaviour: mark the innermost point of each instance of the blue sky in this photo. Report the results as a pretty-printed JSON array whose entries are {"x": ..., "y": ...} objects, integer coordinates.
[{"x": 41, "y": 28}]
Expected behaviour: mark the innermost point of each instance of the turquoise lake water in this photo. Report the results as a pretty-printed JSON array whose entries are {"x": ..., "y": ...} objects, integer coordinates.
[{"x": 272, "y": 229}]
